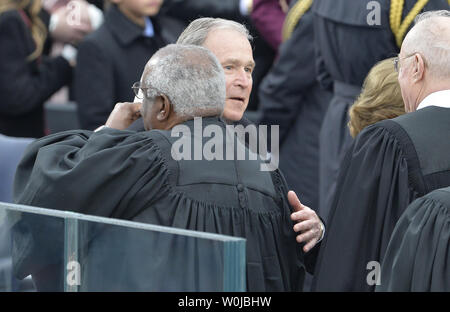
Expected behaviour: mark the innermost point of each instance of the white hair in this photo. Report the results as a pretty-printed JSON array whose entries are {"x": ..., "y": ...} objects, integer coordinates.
[
  {"x": 198, "y": 30},
  {"x": 431, "y": 37},
  {"x": 190, "y": 76}
]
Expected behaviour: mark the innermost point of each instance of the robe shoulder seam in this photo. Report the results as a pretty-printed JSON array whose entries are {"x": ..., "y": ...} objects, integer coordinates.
[{"x": 415, "y": 176}]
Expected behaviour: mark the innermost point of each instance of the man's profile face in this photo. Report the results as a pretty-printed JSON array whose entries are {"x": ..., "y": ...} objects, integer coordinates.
[{"x": 234, "y": 52}]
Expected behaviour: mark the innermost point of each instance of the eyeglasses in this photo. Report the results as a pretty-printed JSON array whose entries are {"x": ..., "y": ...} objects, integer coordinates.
[
  {"x": 140, "y": 91},
  {"x": 396, "y": 61}
]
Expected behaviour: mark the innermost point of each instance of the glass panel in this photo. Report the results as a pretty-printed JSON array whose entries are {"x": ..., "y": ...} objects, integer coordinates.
[
  {"x": 64, "y": 251},
  {"x": 31, "y": 244}
]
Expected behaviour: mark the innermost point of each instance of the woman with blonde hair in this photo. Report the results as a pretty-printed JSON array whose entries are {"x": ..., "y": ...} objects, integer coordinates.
[
  {"x": 28, "y": 77},
  {"x": 380, "y": 98}
]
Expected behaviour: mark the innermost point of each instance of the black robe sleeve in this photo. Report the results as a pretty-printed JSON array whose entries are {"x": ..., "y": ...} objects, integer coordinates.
[
  {"x": 73, "y": 158},
  {"x": 418, "y": 255},
  {"x": 137, "y": 125},
  {"x": 60, "y": 172},
  {"x": 372, "y": 192}
]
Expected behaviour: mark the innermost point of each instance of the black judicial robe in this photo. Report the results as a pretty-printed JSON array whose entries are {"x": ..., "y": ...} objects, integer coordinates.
[
  {"x": 347, "y": 47},
  {"x": 291, "y": 97},
  {"x": 128, "y": 175},
  {"x": 389, "y": 165},
  {"x": 418, "y": 254}
]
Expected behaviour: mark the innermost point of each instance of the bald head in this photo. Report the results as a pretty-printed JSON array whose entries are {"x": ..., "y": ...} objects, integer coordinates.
[
  {"x": 424, "y": 59},
  {"x": 431, "y": 37}
]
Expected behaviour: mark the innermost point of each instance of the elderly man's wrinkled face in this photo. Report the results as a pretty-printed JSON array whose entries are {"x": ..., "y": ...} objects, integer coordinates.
[{"x": 234, "y": 52}]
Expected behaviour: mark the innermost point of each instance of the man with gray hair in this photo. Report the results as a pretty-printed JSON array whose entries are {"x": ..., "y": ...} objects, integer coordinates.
[
  {"x": 136, "y": 176},
  {"x": 229, "y": 41},
  {"x": 391, "y": 163},
  {"x": 418, "y": 257},
  {"x": 424, "y": 62}
]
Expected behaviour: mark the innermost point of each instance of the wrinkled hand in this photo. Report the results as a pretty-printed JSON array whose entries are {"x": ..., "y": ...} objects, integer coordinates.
[
  {"x": 308, "y": 223},
  {"x": 123, "y": 115},
  {"x": 73, "y": 22}
]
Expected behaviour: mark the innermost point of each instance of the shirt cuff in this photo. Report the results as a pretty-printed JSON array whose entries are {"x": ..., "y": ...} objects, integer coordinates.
[
  {"x": 100, "y": 128},
  {"x": 322, "y": 226}
]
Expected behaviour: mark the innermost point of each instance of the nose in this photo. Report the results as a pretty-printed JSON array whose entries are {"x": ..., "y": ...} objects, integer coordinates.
[{"x": 243, "y": 78}]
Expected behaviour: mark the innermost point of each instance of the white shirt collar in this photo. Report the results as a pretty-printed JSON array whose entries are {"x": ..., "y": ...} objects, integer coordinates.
[{"x": 440, "y": 98}]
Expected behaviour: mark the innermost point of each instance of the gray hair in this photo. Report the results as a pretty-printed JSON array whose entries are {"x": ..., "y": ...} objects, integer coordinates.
[
  {"x": 190, "y": 76},
  {"x": 426, "y": 15},
  {"x": 198, "y": 30},
  {"x": 431, "y": 38}
]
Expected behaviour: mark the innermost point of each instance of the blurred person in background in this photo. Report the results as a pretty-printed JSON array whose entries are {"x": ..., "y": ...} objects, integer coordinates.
[
  {"x": 380, "y": 99},
  {"x": 28, "y": 77},
  {"x": 111, "y": 59},
  {"x": 268, "y": 17},
  {"x": 83, "y": 11}
]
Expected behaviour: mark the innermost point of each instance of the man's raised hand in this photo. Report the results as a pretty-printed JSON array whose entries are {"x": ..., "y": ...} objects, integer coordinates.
[
  {"x": 123, "y": 115},
  {"x": 308, "y": 224}
]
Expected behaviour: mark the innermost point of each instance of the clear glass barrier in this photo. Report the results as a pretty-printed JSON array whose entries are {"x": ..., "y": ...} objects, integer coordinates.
[{"x": 48, "y": 250}]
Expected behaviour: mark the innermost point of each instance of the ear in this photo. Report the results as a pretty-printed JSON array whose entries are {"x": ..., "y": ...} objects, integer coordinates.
[
  {"x": 419, "y": 68},
  {"x": 164, "y": 108}
]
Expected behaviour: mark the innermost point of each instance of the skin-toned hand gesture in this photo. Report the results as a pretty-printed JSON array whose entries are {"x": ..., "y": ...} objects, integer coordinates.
[
  {"x": 308, "y": 223},
  {"x": 123, "y": 115}
]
